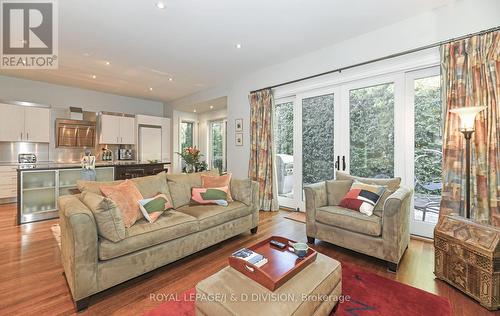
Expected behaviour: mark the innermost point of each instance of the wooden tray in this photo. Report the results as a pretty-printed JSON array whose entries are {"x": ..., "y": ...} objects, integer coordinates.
[{"x": 282, "y": 264}]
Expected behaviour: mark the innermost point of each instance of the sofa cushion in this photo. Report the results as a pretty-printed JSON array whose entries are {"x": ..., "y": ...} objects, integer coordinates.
[
  {"x": 336, "y": 190},
  {"x": 213, "y": 215},
  {"x": 107, "y": 216},
  {"x": 180, "y": 193},
  {"x": 126, "y": 196},
  {"x": 192, "y": 179},
  {"x": 209, "y": 181},
  {"x": 142, "y": 234},
  {"x": 392, "y": 185},
  {"x": 349, "y": 220},
  {"x": 150, "y": 186},
  {"x": 362, "y": 197},
  {"x": 95, "y": 186}
]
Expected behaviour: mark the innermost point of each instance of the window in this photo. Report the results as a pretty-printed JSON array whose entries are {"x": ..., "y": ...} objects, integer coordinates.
[
  {"x": 187, "y": 138},
  {"x": 283, "y": 140},
  {"x": 217, "y": 145}
]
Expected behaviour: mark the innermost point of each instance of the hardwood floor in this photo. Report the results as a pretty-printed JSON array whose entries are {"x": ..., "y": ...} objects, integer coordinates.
[{"x": 32, "y": 282}]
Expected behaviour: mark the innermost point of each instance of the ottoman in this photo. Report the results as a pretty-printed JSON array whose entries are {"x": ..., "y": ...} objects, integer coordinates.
[{"x": 313, "y": 291}]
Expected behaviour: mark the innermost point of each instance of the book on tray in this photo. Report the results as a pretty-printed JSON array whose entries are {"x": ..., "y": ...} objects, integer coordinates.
[{"x": 250, "y": 256}]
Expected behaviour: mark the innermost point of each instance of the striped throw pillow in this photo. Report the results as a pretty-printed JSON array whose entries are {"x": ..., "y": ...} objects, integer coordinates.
[{"x": 363, "y": 197}]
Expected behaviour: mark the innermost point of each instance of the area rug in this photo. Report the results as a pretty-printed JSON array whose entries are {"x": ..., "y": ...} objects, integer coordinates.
[
  {"x": 297, "y": 216},
  {"x": 368, "y": 293}
]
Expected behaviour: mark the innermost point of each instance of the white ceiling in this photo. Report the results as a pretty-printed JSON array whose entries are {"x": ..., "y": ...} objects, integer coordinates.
[{"x": 193, "y": 42}]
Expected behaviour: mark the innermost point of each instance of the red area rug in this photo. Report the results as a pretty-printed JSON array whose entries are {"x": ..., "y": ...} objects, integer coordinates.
[{"x": 370, "y": 295}]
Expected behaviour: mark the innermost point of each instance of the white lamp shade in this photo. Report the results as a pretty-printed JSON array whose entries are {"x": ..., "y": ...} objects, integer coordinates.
[{"x": 468, "y": 116}]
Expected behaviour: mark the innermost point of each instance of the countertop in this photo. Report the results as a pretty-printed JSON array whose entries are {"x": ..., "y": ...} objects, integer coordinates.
[{"x": 47, "y": 165}]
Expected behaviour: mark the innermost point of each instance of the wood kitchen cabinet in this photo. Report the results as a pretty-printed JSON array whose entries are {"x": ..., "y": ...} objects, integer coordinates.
[
  {"x": 117, "y": 130},
  {"x": 22, "y": 123}
]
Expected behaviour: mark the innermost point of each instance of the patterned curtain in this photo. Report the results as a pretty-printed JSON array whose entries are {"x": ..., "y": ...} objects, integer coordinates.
[
  {"x": 470, "y": 71},
  {"x": 261, "y": 147}
]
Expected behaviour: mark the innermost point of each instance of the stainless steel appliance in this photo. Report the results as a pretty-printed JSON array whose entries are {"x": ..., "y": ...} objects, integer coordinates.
[
  {"x": 26, "y": 158},
  {"x": 125, "y": 154},
  {"x": 75, "y": 132}
]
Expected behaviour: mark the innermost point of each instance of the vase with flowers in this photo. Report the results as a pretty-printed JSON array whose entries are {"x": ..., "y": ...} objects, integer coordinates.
[{"x": 191, "y": 157}]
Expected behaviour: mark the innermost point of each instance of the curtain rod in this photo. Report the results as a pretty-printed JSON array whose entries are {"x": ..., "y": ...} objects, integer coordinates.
[{"x": 406, "y": 52}]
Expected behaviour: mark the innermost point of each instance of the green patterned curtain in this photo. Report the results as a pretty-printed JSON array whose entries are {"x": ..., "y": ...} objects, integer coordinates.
[
  {"x": 470, "y": 71},
  {"x": 261, "y": 147}
]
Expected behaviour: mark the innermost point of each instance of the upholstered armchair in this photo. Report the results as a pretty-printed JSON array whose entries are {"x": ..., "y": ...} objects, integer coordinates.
[{"x": 384, "y": 235}]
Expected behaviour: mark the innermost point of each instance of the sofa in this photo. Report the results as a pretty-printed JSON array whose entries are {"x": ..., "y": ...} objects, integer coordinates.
[
  {"x": 93, "y": 263},
  {"x": 384, "y": 235}
]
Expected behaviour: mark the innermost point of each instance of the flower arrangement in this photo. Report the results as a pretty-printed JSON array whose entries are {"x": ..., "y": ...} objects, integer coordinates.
[{"x": 191, "y": 157}]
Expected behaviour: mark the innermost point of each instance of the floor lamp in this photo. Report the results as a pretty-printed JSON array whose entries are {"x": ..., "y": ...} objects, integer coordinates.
[{"x": 467, "y": 119}]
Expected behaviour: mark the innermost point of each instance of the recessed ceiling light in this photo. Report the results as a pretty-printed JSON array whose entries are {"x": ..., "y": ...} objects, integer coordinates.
[
  {"x": 170, "y": 79},
  {"x": 237, "y": 45},
  {"x": 211, "y": 107},
  {"x": 194, "y": 110},
  {"x": 94, "y": 76},
  {"x": 107, "y": 63},
  {"x": 150, "y": 89},
  {"x": 160, "y": 5}
]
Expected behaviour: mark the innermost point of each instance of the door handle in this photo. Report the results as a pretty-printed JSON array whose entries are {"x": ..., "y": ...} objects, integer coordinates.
[
  {"x": 27, "y": 136},
  {"x": 337, "y": 163},
  {"x": 21, "y": 135},
  {"x": 343, "y": 163}
]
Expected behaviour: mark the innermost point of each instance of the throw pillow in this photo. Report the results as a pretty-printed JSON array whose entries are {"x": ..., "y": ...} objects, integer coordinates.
[
  {"x": 362, "y": 197},
  {"x": 153, "y": 207},
  {"x": 125, "y": 195},
  {"x": 208, "y": 181},
  {"x": 107, "y": 216},
  {"x": 95, "y": 186},
  {"x": 336, "y": 190},
  {"x": 204, "y": 196},
  {"x": 180, "y": 193}
]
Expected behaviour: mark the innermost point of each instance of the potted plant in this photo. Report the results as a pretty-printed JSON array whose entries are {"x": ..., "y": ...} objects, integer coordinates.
[{"x": 191, "y": 157}]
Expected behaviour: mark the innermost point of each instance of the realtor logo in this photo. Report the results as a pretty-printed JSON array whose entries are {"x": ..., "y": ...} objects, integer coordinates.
[{"x": 29, "y": 34}]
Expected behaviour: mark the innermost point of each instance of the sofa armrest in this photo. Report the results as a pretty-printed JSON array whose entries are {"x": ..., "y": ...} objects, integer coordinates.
[
  {"x": 396, "y": 223},
  {"x": 78, "y": 246},
  {"x": 247, "y": 192},
  {"x": 316, "y": 196}
]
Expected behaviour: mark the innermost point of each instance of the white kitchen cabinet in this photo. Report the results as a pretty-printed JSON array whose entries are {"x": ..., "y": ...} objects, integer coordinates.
[
  {"x": 11, "y": 123},
  {"x": 37, "y": 125},
  {"x": 127, "y": 130},
  {"x": 110, "y": 129},
  {"x": 20, "y": 123},
  {"x": 117, "y": 130}
]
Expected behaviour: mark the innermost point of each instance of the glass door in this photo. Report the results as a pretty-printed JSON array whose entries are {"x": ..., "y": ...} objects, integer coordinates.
[
  {"x": 424, "y": 148},
  {"x": 283, "y": 126},
  {"x": 370, "y": 140}
]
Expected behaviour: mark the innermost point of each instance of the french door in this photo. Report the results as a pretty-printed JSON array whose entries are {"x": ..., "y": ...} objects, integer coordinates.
[{"x": 382, "y": 127}]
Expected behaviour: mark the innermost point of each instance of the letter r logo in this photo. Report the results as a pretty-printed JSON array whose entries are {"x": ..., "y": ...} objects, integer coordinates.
[{"x": 27, "y": 28}]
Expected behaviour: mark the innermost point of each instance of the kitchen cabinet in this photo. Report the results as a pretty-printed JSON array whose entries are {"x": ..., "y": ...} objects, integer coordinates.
[
  {"x": 21, "y": 123},
  {"x": 117, "y": 130},
  {"x": 37, "y": 125},
  {"x": 8, "y": 182}
]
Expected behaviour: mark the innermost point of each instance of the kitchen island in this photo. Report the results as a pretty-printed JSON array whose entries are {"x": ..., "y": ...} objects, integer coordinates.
[{"x": 39, "y": 185}]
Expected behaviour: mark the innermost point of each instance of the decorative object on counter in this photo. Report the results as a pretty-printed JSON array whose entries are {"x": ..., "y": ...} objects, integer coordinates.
[
  {"x": 238, "y": 125},
  {"x": 191, "y": 157},
  {"x": 107, "y": 155},
  {"x": 88, "y": 167}
]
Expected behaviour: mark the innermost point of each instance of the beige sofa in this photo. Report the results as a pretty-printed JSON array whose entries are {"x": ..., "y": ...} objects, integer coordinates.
[
  {"x": 93, "y": 263},
  {"x": 384, "y": 235}
]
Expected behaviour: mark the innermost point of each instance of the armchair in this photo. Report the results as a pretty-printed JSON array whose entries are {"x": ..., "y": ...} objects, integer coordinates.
[{"x": 384, "y": 235}]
